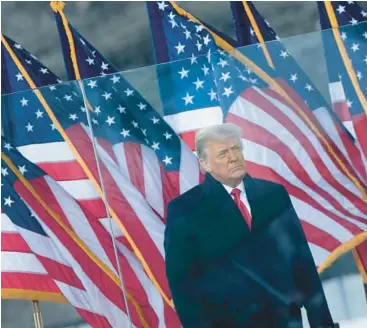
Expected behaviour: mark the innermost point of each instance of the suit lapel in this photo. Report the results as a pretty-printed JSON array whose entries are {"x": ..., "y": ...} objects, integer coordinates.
[{"x": 224, "y": 208}]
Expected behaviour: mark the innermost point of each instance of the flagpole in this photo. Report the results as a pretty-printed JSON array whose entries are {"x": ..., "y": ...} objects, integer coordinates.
[
  {"x": 86, "y": 106},
  {"x": 37, "y": 314}
]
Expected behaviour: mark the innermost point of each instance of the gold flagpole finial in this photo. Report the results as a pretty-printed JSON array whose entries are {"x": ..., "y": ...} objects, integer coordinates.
[{"x": 57, "y": 5}]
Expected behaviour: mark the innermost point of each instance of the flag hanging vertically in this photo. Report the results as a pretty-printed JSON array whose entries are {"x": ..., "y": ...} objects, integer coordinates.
[
  {"x": 252, "y": 29},
  {"x": 344, "y": 36},
  {"x": 283, "y": 139},
  {"x": 143, "y": 162}
]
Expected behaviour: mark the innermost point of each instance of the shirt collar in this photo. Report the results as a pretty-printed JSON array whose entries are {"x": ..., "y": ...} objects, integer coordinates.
[{"x": 229, "y": 189}]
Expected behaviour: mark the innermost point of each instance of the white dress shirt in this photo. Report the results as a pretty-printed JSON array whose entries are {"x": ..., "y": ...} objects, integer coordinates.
[{"x": 243, "y": 195}]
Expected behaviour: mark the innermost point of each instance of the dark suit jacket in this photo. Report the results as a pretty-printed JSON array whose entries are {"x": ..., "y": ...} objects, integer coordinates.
[{"x": 221, "y": 274}]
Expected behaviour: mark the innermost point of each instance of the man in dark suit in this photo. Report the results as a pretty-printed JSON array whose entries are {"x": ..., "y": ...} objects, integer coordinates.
[{"x": 236, "y": 254}]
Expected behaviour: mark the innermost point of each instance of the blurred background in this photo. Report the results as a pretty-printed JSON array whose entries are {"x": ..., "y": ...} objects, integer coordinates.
[{"x": 120, "y": 31}]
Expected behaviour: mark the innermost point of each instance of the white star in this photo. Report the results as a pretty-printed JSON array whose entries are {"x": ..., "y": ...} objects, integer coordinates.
[
  {"x": 199, "y": 84},
  {"x": 343, "y": 35},
  {"x": 180, "y": 48},
  {"x": 28, "y": 62},
  {"x": 83, "y": 109},
  {"x": 110, "y": 120},
  {"x": 284, "y": 54},
  {"x": 8, "y": 201},
  {"x": 199, "y": 45},
  {"x": 155, "y": 120},
  {"x": 24, "y": 102},
  {"x": 135, "y": 124},
  {"x": 44, "y": 71},
  {"x": 19, "y": 77},
  {"x": 121, "y": 109},
  {"x": 353, "y": 21},
  {"x": 162, "y": 5},
  {"x": 359, "y": 75},
  {"x": 92, "y": 84},
  {"x": 167, "y": 135},
  {"x": 199, "y": 28},
  {"x": 94, "y": 53},
  {"x": 4, "y": 171},
  {"x": 90, "y": 61},
  {"x": 125, "y": 133},
  {"x": 39, "y": 114},
  {"x": 144, "y": 131},
  {"x": 364, "y": 13},
  {"x": 294, "y": 78},
  {"x": 53, "y": 127},
  {"x": 252, "y": 32},
  {"x": 365, "y": 60},
  {"x": 155, "y": 145},
  {"x": 349, "y": 103},
  {"x": 95, "y": 121},
  {"x": 187, "y": 34},
  {"x": 206, "y": 39},
  {"x": 142, "y": 106},
  {"x": 7, "y": 146},
  {"x": 129, "y": 92},
  {"x": 67, "y": 97},
  {"x": 97, "y": 109},
  {"x": 212, "y": 94},
  {"x": 73, "y": 117},
  {"x": 29, "y": 127},
  {"x": 82, "y": 41},
  {"x": 205, "y": 70},
  {"x": 167, "y": 160},
  {"x": 193, "y": 59},
  {"x": 52, "y": 88},
  {"x": 308, "y": 87},
  {"x": 243, "y": 78},
  {"x": 104, "y": 66},
  {"x": 22, "y": 169},
  {"x": 340, "y": 9},
  {"x": 173, "y": 22},
  {"x": 355, "y": 47},
  {"x": 188, "y": 99},
  {"x": 107, "y": 95},
  {"x": 350, "y": 2},
  {"x": 59, "y": 81},
  {"x": 225, "y": 76},
  {"x": 183, "y": 73},
  {"x": 222, "y": 63},
  {"x": 227, "y": 91},
  {"x": 18, "y": 46},
  {"x": 115, "y": 79},
  {"x": 365, "y": 35}
]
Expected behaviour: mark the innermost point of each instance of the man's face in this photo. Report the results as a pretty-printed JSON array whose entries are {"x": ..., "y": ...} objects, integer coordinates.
[{"x": 225, "y": 161}]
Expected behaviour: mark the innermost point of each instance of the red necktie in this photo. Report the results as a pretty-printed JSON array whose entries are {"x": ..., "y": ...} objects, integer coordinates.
[{"x": 244, "y": 211}]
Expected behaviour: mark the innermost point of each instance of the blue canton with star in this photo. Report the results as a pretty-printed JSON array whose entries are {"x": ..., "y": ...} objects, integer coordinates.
[
  {"x": 200, "y": 74},
  {"x": 352, "y": 21},
  {"x": 11, "y": 203},
  {"x": 120, "y": 113}
]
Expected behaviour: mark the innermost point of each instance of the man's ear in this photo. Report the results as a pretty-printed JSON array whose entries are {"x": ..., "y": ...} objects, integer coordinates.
[{"x": 205, "y": 165}]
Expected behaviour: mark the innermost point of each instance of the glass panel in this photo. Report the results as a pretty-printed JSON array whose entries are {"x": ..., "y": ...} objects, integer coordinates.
[{"x": 291, "y": 135}]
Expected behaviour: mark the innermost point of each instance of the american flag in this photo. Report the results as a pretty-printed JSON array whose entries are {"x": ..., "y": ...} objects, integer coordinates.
[
  {"x": 32, "y": 130},
  {"x": 144, "y": 164},
  {"x": 345, "y": 47},
  {"x": 23, "y": 275},
  {"x": 53, "y": 226},
  {"x": 252, "y": 28},
  {"x": 283, "y": 139}
]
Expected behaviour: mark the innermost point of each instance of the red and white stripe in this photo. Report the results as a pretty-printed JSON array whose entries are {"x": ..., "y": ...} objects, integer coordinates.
[
  {"x": 21, "y": 271},
  {"x": 187, "y": 123},
  {"x": 280, "y": 146}
]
